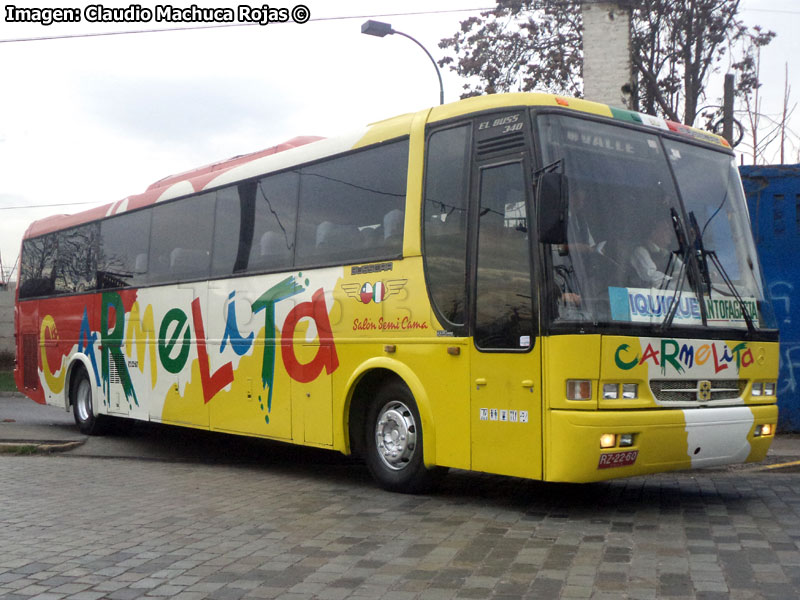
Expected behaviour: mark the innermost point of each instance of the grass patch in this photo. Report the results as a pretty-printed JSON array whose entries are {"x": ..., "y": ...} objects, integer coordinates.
[
  {"x": 19, "y": 449},
  {"x": 7, "y": 382}
]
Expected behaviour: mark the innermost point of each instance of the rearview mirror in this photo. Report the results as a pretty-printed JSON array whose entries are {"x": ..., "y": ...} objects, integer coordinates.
[{"x": 552, "y": 204}]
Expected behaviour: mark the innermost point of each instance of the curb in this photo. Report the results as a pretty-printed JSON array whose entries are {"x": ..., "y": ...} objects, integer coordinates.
[
  {"x": 777, "y": 466},
  {"x": 24, "y": 447}
]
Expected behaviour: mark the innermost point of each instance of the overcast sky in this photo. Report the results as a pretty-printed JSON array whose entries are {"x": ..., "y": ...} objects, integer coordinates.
[{"x": 95, "y": 119}]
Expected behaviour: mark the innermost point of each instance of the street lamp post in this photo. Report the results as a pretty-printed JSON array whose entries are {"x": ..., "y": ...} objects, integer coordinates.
[{"x": 379, "y": 29}]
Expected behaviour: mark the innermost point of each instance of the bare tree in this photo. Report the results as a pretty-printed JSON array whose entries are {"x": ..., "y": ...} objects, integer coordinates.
[{"x": 522, "y": 45}]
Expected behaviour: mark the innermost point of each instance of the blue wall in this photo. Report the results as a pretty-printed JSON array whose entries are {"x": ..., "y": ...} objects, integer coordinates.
[{"x": 773, "y": 197}]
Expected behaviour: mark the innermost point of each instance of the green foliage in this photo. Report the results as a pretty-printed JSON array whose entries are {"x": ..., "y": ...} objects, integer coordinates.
[
  {"x": 19, "y": 450},
  {"x": 7, "y": 381}
]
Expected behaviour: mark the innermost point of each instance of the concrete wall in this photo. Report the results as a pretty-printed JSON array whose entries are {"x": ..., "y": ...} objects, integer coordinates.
[
  {"x": 606, "y": 52},
  {"x": 7, "y": 319}
]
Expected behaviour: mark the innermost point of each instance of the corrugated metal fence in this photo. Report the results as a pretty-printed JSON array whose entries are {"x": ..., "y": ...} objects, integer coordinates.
[{"x": 773, "y": 198}]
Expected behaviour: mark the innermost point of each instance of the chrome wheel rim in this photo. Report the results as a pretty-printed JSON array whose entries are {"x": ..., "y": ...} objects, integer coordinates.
[
  {"x": 83, "y": 400},
  {"x": 396, "y": 435}
]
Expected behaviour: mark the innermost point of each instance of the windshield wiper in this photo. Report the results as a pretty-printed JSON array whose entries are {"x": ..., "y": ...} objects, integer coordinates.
[
  {"x": 700, "y": 251},
  {"x": 684, "y": 251},
  {"x": 703, "y": 256}
]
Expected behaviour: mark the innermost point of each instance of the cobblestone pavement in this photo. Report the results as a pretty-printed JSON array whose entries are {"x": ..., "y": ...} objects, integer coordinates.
[{"x": 308, "y": 524}]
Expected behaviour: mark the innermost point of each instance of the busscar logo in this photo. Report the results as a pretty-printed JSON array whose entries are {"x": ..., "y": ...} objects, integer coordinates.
[
  {"x": 373, "y": 292},
  {"x": 704, "y": 390}
]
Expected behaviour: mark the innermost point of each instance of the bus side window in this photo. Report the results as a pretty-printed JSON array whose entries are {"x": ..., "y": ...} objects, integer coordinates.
[
  {"x": 228, "y": 234},
  {"x": 37, "y": 267},
  {"x": 445, "y": 221},
  {"x": 76, "y": 266},
  {"x": 274, "y": 218},
  {"x": 181, "y": 236},
  {"x": 124, "y": 248},
  {"x": 351, "y": 207}
]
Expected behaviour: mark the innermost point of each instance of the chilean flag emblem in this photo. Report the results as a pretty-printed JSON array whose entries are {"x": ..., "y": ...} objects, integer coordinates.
[{"x": 375, "y": 293}]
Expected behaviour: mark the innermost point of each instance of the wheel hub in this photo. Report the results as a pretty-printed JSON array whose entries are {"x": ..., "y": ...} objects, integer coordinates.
[
  {"x": 84, "y": 400},
  {"x": 396, "y": 435}
]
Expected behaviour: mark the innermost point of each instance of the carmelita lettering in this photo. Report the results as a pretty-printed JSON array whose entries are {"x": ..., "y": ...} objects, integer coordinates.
[{"x": 43, "y": 16}]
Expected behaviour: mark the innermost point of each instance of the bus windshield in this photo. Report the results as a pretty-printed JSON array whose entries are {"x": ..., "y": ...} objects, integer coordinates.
[{"x": 658, "y": 233}]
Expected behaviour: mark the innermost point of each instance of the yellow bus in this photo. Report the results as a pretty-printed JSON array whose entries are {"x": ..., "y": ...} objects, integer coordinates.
[{"x": 521, "y": 284}]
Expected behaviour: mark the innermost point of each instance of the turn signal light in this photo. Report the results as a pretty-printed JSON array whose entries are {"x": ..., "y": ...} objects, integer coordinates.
[{"x": 579, "y": 389}]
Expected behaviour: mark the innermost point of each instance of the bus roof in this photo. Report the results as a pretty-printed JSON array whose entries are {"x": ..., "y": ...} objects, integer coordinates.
[{"x": 303, "y": 149}]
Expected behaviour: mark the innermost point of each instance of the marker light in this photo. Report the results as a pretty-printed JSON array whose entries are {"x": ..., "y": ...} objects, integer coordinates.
[
  {"x": 769, "y": 388},
  {"x": 579, "y": 389},
  {"x": 610, "y": 391},
  {"x": 757, "y": 389},
  {"x": 630, "y": 391},
  {"x": 608, "y": 440}
]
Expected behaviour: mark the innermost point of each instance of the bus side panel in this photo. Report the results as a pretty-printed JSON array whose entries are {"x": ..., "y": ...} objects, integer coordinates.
[
  {"x": 383, "y": 319},
  {"x": 27, "y": 374},
  {"x": 64, "y": 326}
]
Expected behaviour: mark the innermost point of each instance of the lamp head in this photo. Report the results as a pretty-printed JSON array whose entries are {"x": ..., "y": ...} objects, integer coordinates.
[{"x": 376, "y": 28}]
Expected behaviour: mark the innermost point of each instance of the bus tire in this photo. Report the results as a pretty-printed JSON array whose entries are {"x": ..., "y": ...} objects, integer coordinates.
[
  {"x": 80, "y": 397},
  {"x": 394, "y": 442}
]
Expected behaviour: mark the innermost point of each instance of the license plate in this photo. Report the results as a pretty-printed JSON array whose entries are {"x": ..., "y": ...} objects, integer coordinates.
[{"x": 610, "y": 460}]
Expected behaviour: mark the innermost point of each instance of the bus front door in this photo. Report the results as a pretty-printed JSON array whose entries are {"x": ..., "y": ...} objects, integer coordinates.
[{"x": 505, "y": 365}]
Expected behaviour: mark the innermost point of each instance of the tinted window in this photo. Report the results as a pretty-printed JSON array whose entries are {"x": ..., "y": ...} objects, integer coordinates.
[
  {"x": 37, "y": 274},
  {"x": 228, "y": 234},
  {"x": 76, "y": 265},
  {"x": 445, "y": 221},
  {"x": 180, "y": 240},
  {"x": 503, "y": 316},
  {"x": 352, "y": 207},
  {"x": 124, "y": 244},
  {"x": 275, "y": 211}
]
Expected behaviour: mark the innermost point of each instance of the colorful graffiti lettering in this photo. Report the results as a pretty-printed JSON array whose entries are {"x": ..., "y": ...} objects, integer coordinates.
[
  {"x": 682, "y": 356},
  {"x": 178, "y": 333},
  {"x": 48, "y": 330}
]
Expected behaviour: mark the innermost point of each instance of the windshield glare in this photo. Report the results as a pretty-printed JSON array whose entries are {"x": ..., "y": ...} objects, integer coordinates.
[{"x": 655, "y": 228}]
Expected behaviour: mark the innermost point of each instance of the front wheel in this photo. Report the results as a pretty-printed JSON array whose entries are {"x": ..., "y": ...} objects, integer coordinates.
[
  {"x": 83, "y": 407},
  {"x": 394, "y": 445}
]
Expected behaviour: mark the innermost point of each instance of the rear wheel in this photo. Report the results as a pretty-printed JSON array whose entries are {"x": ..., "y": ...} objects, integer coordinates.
[
  {"x": 83, "y": 404},
  {"x": 394, "y": 442}
]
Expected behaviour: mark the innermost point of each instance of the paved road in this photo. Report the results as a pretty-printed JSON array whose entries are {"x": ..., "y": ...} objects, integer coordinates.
[{"x": 219, "y": 517}]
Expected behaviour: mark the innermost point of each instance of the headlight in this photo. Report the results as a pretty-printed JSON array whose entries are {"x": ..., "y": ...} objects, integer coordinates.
[
  {"x": 610, "y": 391},
  {"x": 630, "y": 391}
]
